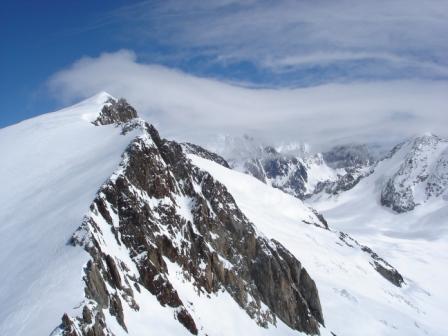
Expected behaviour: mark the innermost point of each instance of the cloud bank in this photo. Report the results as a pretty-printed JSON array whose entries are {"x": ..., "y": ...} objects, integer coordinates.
[{"x": 197, "y": 109}]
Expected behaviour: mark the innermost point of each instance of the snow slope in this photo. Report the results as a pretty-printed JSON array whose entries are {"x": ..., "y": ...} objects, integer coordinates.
[
  {"x": 51, "y": 168},
  {"x": 355, "y": 298},
  {"x": 416, "y": 241}
]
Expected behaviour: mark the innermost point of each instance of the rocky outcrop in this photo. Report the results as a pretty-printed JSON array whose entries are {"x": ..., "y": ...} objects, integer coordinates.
[
  {"x": 115, "y": 112},
  {"x": 381, "y": 266},
  {"x": 91, "y": 323},
  {"x": 158, "y": 210},
  {"x": 398, "y": 198}
]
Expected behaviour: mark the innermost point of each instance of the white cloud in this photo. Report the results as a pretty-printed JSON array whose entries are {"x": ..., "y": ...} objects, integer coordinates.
[
  {"x": 197, "y": 109},
  {"x": 401, "y": 38}
]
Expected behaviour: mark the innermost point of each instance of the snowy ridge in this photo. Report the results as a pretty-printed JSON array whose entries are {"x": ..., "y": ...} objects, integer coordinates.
[
  {"x": 159, "y": 227},
  {"x": 51, "y": 169}
]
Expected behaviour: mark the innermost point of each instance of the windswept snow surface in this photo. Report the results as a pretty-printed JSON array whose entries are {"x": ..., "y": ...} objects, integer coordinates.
[
  {"x": 355, "y": 299},
  {"x": 50, "y": 170},
  {"x": 416, "y": 242}
]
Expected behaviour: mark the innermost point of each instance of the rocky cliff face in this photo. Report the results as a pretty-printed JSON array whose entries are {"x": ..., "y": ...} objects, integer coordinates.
[
  {"x": 421, "y": 175},
  {"x": 159, "y": 210}
]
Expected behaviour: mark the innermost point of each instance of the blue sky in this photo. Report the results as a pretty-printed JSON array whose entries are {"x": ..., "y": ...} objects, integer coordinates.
[
  {"x": 38, "y": 39},
  {"x": 285, "y": 45},
  {"x": 42, "y": 37}
]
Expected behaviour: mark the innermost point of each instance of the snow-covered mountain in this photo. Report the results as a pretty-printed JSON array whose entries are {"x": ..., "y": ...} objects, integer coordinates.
[
  {"x": 109, "y": 229},
  {"x": 418, "y": 173},
  {"x": 401, "y": 210},
  {"x": 293, "y": 168}
]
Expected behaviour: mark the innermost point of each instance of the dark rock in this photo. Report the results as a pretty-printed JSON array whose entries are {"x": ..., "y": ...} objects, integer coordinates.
[
  {"x": 386, "y": 270},
  {"x": 187, "y": 321},
  {"x": 116, "y": 309},
  {"x": 116, "y": 112},
  {"x": 113, "y": 271},
  {"x": 99, "y": 327},
  {"x": 68, "y": 326},
  {"x": 400, "y": 200},
  {"x": 87, "y": 315},
  {"x": 95, "y": 285}
]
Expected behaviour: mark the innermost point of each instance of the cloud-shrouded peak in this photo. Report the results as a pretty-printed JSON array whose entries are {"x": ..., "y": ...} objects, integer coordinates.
[{"x": 196, "y": 109}]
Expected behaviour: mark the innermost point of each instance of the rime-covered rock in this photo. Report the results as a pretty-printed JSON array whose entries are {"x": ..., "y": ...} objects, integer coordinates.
[{"x": 422, "y": 173}]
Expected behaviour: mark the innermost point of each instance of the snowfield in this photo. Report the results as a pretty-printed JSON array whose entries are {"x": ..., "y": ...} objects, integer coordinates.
[
  {"x": 355, "y": 298},
  {"x": 416, "y": 242},
  {"x": 51, "y": 168}
]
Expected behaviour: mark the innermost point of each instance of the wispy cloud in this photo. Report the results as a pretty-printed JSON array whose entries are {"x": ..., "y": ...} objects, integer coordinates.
[
  {"x": 197, "y": 109},
  {"x": 394, "y": 39}
]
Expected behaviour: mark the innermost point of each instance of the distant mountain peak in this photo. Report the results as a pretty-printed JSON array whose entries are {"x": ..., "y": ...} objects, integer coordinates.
[{"x": 422, "y": 173}]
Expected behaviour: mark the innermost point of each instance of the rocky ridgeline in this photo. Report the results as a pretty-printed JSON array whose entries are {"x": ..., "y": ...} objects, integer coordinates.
[
  {"x": 158, "y": 209},
  {"x": 422, "y": 174},
  {"x": 379, "y": 264}
]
